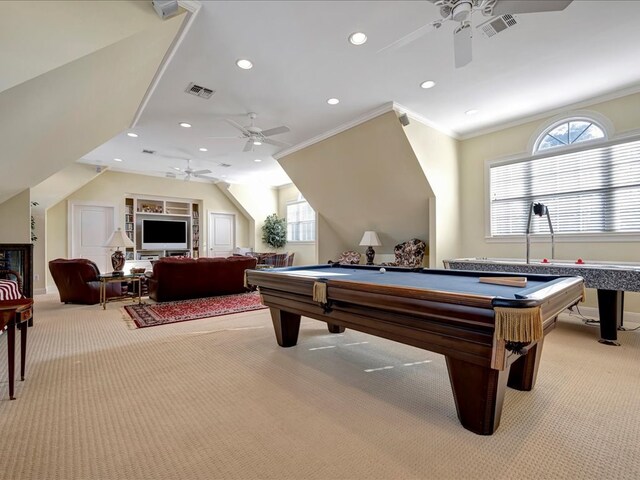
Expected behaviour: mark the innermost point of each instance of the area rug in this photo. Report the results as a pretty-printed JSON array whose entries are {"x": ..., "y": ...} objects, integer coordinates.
[{"x": 150, "y": 315}]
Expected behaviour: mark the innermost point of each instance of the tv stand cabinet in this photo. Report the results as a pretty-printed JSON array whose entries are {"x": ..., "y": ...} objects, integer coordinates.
[{"x": 140, "y": 207}]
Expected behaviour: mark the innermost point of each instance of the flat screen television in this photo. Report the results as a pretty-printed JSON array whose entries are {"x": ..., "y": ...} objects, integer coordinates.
[{"x": 164, "y": 234}]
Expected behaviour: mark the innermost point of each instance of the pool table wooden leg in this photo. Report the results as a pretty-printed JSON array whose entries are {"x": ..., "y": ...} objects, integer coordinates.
[
  {"x": 478, "y": 393},
  {"x": 335, "y": 328},
  {"x": 286, "y": 326},
  {"x": 524, "y": 370}
]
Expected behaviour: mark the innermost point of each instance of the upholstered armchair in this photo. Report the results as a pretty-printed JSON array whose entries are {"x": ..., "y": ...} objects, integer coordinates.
[
  {"x": 348, "y": 257},
  {"x": 77, "y": 281},
  {"x": 409, "y": 254}
]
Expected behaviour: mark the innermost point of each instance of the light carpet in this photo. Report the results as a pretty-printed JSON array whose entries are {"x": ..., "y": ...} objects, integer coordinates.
[{"x": 217, "y": 398}]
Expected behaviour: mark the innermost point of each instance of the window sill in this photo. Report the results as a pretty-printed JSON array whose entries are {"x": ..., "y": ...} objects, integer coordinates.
[
  {"x": 565, "y": 238},
  {"x": 301, "y": 242}
]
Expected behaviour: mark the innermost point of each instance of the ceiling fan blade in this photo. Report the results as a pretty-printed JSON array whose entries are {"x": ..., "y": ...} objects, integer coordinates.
[
  {"x": 236, "y": 136},
  {"x": 411, "y": 37},
  {"x": 532, "y": 6},
  {"x": 276, "y": 131},
  {"x": 205, "y": 177},
  {"x": 172, "y": 157},
  {"x": 237, "y": 125},
  {"x": 200, "y": 172},
  {"x": 462, "y": 48},
  {"x": 271, "y": 141},
  {"x": 248, "y": 146}
]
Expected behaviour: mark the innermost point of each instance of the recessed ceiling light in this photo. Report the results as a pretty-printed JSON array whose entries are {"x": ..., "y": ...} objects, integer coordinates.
[
  {"x": 257, "y": 160},
  {"x": 202, "y": 149},
  {"x": 473, "y": 111},
  {"x": 176, "y": 168},
  {"x": 257, "y": 142},
  {"x": 185, "y": 124},
  {"x": 244, "y": 64},
  {"x": 428, "y": 84},
  {"x": 357, "y": 38},
  {"x": 117, "y": 159},
  {"x": 333, "y": 101},
  {"x": 131, "y": 134}
]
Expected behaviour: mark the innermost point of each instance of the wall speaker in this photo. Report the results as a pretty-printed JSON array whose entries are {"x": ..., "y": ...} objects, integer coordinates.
[
  {"x": 165, "y": 8},
  {"x": 404, "y": 119}
]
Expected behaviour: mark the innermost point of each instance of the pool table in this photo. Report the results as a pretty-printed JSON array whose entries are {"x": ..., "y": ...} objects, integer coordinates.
[{"x": 491, "y": 335}]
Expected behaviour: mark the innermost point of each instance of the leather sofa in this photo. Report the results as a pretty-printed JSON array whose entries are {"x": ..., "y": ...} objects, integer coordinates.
[
  {"x": 183, "y": 278},
  {"x": 77, "y": 281}
]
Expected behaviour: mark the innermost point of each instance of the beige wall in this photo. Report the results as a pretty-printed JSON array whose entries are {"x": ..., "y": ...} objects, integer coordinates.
[
  {"x": 365, "y": 178},
  {"x": 73, "y": 98},
  {"x": 258, "y": 202},
  {"x": 15, "y": 219},
  {"x": 622, "y": 112},
  {"x": 438, "y": 156},
  {"x": 112, "y": 187}
]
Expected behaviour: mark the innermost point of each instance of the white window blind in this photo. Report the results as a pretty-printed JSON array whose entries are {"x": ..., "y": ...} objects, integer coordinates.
[
  {"x": 596, "y": 190},
  {"x": 301, "y": 222}
]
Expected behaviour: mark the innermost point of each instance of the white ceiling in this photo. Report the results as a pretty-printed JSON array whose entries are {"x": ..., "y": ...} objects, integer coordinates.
[{"x": 301, "y": 58}]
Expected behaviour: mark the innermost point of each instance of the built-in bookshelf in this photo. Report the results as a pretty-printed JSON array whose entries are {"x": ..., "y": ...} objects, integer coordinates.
[
  {"x": 137, "y": 208},
  {"x": 195, "y": 230}
]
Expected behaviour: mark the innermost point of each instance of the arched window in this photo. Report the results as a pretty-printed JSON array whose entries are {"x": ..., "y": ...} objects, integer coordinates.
[
  {"x": 569, "y": 131},
  {"x": 589, "y": 182}
]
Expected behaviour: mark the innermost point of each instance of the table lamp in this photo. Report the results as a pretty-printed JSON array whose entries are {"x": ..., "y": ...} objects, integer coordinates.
[
  {"x": 116, "y": 240},
  {"x": 370, "y": 239}
]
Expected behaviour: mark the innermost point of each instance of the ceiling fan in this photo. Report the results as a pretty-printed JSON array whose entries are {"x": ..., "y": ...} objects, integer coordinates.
[
  {"x": 189, "y": 172},
  {"x": 255, "y": 135},
  {"x": 461, "y": 10}
]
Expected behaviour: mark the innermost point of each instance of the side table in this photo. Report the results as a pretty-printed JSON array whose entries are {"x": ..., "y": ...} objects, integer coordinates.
[
  {"x": 16, "y": 313},
  {"x": 133, "y": 278}
]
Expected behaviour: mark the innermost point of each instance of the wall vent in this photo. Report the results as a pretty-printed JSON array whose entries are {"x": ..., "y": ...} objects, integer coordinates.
[
  {"x": 496, "y": 25},
  {"x": 199, "y": 91},
  {"x": 150, "y": 152}
]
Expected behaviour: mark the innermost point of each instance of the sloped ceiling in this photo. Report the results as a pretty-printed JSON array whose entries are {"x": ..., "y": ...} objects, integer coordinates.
[
  {"x": 63, "y": 98},
  {"x": 366, "y": 178}
]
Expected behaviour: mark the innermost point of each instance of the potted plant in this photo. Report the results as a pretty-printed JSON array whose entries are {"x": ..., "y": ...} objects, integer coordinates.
[{"x": 274, "y": 231}]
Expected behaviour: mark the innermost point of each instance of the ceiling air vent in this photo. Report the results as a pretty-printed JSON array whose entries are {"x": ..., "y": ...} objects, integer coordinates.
[
  {"x": 199, "y": 91},
  {"x": 150, "y": 152},
  {"x": 496, "y": 25},
  {"x": 225, "y": 165}
]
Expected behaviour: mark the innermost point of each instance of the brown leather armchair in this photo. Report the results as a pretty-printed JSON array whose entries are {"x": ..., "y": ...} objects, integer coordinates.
[{"x": 77, "y": 281}]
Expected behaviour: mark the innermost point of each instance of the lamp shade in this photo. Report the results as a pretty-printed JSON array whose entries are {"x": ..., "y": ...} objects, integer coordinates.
[
  {"x": 370, "y": 238},
  {"x": 119, "y": 239}
]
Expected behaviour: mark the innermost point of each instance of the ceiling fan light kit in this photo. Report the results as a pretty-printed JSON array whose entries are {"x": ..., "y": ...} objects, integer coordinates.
[{"x": 256, "y": 136}]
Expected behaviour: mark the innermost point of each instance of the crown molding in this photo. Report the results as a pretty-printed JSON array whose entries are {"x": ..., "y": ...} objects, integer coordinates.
[
  {"x": 387, "y": 107},
  {"x": 192, "y": 8},
  {"x": 566, "y": 110},
  {"x": 416, "y": 116}
]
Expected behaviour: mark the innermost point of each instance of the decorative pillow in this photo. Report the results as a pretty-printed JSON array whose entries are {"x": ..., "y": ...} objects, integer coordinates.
[{"x": 9, "y": 290}]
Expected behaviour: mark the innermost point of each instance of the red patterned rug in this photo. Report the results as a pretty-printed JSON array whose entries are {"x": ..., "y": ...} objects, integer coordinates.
[{"x": 150, "y": 315}]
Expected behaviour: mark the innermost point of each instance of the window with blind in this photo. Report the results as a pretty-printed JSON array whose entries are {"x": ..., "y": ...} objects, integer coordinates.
[
  {"x": 592, "y": 191},
  {"x": 301, "y": 222}
]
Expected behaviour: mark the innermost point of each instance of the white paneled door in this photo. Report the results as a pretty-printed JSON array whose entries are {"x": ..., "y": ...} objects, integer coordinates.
[
  {"x": 90, "y": 228},
  {"x": 222, "y": 234}
]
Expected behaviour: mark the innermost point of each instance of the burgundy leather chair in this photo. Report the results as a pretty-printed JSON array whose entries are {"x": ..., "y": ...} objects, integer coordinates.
[{"x": 77, "y": 281}]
